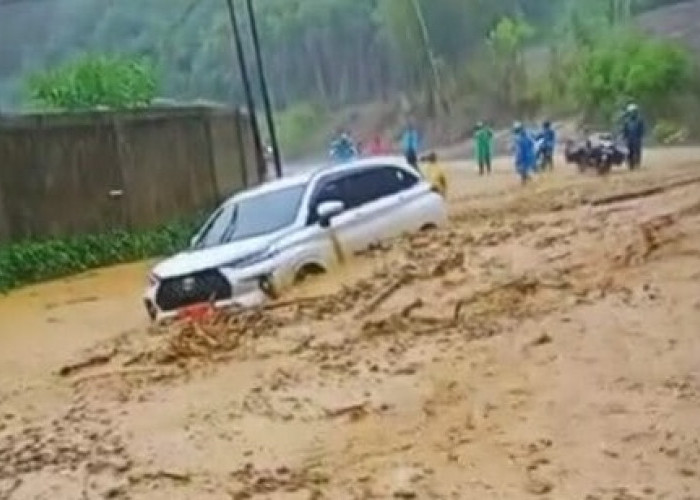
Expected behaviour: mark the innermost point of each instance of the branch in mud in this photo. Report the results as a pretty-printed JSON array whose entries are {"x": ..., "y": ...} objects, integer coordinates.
[
  {"x": 178, "y": 477},
  {"x": 354, "y": 411},
  {"x": 633, "y": 195},
  {"x": 154, "y": 372},
  {"x": 98, "y": 360},
  {"x": 408, "y": 310},
  {"x": 523, "y": 284},
  {"x": 384, "y": 296}
]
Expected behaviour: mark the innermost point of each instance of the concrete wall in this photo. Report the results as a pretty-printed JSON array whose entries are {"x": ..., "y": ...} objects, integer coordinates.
[{"x": 57, "y": 171}]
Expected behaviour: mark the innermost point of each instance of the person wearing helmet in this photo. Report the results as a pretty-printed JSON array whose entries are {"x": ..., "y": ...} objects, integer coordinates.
[
  {"x": 524, "y": 149},
  {"x": 633, "y": 130},
  {"x": 547, "y": 140},
  {"x": 483, "y": 137},
  {"x": 343, "y": 148}
]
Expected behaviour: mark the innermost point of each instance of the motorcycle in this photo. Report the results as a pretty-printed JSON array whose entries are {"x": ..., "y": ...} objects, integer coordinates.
[{"x": 599, "y": 152}]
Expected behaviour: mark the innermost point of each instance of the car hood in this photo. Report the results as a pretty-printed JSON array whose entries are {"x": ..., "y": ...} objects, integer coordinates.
[{"x": 192, "y": 261}]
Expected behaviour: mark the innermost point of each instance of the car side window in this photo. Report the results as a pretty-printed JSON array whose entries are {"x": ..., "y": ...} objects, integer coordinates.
[
  {"x": 402, "y": 179},
  {"x": 357, "y": 188},
  {"x": 376, "y": 183}
]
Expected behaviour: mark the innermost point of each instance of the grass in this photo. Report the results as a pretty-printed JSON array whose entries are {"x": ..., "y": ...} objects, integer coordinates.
[{"x": 28, "y": 262}]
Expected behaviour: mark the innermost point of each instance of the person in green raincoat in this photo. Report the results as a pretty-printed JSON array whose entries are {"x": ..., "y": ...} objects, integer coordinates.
[{"x": 483, "y": 137}]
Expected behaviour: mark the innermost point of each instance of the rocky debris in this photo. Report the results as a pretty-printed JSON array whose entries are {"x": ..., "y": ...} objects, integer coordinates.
[
  {"x": 536, "y": 486},
  {"x": 541, "y": 340},
  {"x": 79, "y": 442},
  {"x": 251, "y": 481}
]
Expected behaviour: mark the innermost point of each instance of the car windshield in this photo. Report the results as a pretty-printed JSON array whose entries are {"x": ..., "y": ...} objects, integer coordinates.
[{"x": 251, "y": 217}]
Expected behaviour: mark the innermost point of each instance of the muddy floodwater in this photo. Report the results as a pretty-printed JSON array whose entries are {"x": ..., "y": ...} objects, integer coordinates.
[
  {"x": 42, "y": 325},
  {"x": 545, "y": 345}
]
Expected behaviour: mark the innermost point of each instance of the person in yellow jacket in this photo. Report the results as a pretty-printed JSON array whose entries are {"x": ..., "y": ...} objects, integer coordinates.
[{"x": 434, "y": 173}]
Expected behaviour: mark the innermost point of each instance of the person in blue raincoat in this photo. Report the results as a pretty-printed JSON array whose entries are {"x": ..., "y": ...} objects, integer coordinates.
[
  {"x": 548, "y": 139},
  {"x": 343, "y": 148},
  {"x": 633, "y": 129},
  {"x": 524, "y": 152},
  {"x": 410, "y": 143}
]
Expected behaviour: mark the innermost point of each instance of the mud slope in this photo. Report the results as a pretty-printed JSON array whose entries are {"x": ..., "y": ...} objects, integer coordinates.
[{"x": 545, "y": 346}]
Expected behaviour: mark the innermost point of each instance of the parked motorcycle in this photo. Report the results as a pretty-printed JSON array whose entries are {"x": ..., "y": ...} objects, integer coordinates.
[{"x": 599, "y": 152}]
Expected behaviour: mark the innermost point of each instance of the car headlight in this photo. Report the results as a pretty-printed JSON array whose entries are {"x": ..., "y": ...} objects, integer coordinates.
[{"x": 255, "y": 258}]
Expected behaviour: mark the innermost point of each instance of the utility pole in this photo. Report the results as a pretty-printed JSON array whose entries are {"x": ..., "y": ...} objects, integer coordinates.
[
  {"x": 263, "y": 86},
  {"x": 246, "y": 89},
  {"x": 437, "y": 88}
]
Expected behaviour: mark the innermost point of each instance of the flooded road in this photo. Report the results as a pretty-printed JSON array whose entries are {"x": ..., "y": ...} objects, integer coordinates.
[
  {"x": 545, "y": 345},
  {"x": 43, "y": 325}
]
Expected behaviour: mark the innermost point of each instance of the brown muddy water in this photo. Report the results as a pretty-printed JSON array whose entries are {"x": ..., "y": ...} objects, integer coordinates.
[
  {"x": 545, "y": 347},
  {"x": 42, "y": 324}
]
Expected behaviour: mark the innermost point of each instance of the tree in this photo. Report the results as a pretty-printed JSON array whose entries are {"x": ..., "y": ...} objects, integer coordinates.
[
  {"x": 629, "y": 66},
  {"x": 507, "y": 43},
  {"x": 93, "y": 81}
]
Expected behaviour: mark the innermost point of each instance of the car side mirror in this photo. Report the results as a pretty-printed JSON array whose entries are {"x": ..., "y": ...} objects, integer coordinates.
[
  {"x": 193, "y": 241},
  {"x": 327, "y": 210}
]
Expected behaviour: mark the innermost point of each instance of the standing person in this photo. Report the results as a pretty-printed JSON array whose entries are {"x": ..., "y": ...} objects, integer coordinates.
[
  {"x": 547, "y": 142},
  {"x": 434, "y": 172},
  {"x": 633, "y": 129},
  {"x": 376, "y": 147},
  {"x": 524, "y": 150},
  {"x": 483, "y": 137},
  {"x": 343, "y": 148},
  {"x": 411, "y": 144}
]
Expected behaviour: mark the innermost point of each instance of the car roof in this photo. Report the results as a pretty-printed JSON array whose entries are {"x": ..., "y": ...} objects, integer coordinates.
[{"x": 303, "y": 178}]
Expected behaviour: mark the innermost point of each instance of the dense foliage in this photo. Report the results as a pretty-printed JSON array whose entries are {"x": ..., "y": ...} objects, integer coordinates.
[
  {"x": 626, "y": 66},
  {"x": 488, "y": 59},
  {"x": 33, "y": 261},
  {"x": 94, "y": 81},
  {"x": 333, "y": 52}
]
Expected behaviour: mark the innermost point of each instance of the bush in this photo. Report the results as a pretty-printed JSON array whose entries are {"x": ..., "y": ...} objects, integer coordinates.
[
  {"x": 94, "y": 81},
  {"x": 29, "y": 262},
  {"x": 667, "y": 133}
]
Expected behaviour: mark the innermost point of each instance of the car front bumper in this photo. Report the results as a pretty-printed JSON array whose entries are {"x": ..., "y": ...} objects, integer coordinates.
[{"x": 248, "y": 287}]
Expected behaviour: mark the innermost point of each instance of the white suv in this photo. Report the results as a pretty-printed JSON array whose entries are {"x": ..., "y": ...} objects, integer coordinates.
[{"x": 267, "y": 238}]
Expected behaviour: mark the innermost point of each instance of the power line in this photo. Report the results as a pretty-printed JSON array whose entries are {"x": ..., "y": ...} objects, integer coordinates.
[
  {"x": 243, "y": 67},
  {"x": 264, "y": 89}
]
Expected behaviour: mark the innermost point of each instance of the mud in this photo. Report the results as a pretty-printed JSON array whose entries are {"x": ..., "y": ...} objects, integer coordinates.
[{"x": 544, "y": 345}]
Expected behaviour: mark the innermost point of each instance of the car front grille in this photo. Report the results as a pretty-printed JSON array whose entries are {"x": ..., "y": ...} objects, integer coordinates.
[{"x": 183, "y": 291}]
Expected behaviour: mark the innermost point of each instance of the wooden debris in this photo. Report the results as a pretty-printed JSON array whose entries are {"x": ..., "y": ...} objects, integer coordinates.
[
  {"x": 384, "y": 295},
  {"x": 98, "y": 360},
  {"x": 632, "y": 195}
]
